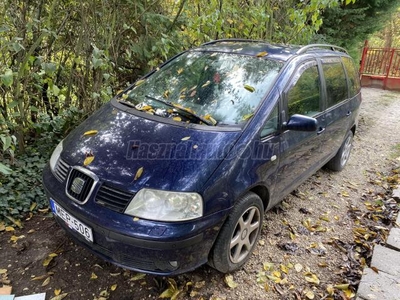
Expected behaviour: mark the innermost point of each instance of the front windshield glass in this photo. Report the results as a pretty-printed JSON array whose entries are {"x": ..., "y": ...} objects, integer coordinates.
[{"x": 204, "y": 87}]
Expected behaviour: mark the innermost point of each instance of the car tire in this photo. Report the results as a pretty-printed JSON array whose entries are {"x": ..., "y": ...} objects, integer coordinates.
[
  {"x": 238, "y": 235},
  {"x": 339, "y": 161}
]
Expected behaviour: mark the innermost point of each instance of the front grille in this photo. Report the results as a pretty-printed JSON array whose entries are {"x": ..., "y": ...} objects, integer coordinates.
[
  {"x": 80, "y": 185},
  {"x": 61, "y": 170},
  {"x": 113, "y": 198}
]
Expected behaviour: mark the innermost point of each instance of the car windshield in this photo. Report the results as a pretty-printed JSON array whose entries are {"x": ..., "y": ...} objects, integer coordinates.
[{"x": 205, "y": 87}]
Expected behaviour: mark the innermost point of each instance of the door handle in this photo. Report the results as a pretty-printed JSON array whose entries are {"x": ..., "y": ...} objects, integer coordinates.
[
  {"x": 348, "y": 113},
  {"x": 321, "y": 130}
]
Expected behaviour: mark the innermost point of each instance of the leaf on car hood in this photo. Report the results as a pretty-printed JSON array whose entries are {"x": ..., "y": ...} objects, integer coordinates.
[
  {"x": 139, "y": 173},
  {"x": 90, "y": 133},
  {"x": 88, "y": 160}
]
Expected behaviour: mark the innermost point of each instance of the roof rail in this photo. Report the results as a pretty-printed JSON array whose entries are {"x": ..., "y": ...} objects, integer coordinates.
[
  {"x": 332, "y": 47},
  {"x": 231, "y": 40}
]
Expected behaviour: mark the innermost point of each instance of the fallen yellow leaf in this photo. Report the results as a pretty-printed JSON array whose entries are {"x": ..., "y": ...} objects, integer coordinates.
[
  {"x": 14, "y": 238},
  {"x": 93, "y": 276},
  {"x": 40, "y": 277},
  {"x": 312, "y": 278},
  {"x": 48, "y": 259},
  {"x": 33, "y": 206},
  {"x": 57, "y": 292},
  {"x": 138, "y": 276},
  {"x": 342, "y": 287},
  {"x": 298, "y": 267},
  {"x": 88, "y": 160},
  {"x": 230, "y": 282},
  {"x": 46, "y": 282},
  {"x": 178, "y": 119},
  {"x": 139, "y": 82},
  {"x": 15, "y": 222},
  {"x": 249, "y": 88},
  {"x": 185, "y": 138},
  {"x": 90, "y": 132},
  {"x": 139, "y": 173},
  {"x": 261, "y": 54},
  {"x": 59, "y": 297},
  {"x": 310, "y": 295},
  {"x": 114, "y": 287}
]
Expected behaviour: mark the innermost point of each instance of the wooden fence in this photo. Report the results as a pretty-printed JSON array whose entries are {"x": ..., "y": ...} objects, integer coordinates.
[{"x": 380, "y": 67}]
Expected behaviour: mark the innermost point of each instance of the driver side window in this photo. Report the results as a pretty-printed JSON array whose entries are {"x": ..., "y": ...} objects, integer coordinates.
[{"x": 304, "y": 94}]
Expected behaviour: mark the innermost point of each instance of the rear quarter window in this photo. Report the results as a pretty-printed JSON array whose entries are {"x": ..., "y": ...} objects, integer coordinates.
[
  {"x": 335, "y": 80},
  {"x": 352, "y": 73}
]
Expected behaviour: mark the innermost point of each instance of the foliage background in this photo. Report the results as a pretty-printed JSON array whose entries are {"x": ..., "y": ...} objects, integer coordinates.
[{"x": 61, "y": 59}]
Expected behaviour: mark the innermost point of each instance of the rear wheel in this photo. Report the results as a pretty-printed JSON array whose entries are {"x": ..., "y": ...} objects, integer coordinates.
[
  {"x": 339, "y": 161},
  {"x": 238, "y": 235}
]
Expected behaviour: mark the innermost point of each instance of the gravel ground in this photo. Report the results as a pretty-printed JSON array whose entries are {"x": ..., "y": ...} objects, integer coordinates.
[{"x": 303, "y": 252}]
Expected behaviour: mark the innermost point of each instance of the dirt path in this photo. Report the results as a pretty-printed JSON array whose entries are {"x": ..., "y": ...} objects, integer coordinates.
[{"x": 301, "y": 254}]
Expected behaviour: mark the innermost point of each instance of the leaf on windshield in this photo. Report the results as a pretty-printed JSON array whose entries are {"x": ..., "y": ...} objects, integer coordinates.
[
  {"x": 249, "y": 88},
  {"x": 262, "y": 54},
  {"x": 248, "y": 116},
  {"x": 192, "y": 94},
  {"x": 210, "y": 118},
  {"x": 178, "y": 119},
  {"x": 139, "y": 82},
  {"x": 166, "y": 94},
  {"x": 182, "y": 96},
  {"x": 180, "y": 71},
  {"x": 206, "y": 84},
  {"x": 146, "y": 107}
]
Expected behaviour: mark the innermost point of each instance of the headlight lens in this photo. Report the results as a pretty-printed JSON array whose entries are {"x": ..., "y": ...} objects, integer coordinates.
[
  {"x": 55, "y": 156},
  {"x": 165, "y": 206}
]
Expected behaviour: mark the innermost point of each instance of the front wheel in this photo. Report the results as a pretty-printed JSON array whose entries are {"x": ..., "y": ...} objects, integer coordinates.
[
  {"x": 238, "y": 235},
  {"x": 339, "y": 161}
]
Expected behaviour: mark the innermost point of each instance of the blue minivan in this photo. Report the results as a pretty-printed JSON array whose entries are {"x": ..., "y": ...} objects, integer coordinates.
[{"x": 178, "y": 169}]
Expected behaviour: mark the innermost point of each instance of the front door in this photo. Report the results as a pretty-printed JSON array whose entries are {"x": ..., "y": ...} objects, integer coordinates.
[{"x": 301, "y": 152}]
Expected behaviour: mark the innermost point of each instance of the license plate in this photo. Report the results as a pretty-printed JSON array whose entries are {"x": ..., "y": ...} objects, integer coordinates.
[{"x": 71, "y": 221}]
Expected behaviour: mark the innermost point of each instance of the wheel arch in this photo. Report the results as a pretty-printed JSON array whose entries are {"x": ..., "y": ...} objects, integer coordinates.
[{"x": 262, "y": 192}]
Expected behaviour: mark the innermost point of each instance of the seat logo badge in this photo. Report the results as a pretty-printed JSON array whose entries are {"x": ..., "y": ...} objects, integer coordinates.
[{"x": 77, "y": 185}]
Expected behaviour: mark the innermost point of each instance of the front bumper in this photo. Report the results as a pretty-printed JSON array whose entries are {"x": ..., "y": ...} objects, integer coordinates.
[{"x": 146, "y": 246}]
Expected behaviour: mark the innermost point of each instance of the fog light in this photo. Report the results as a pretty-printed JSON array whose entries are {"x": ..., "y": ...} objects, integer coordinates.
[{"x": 173, "y": 263}]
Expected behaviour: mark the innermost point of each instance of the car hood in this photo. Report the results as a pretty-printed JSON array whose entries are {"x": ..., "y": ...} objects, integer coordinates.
[{"x": 133, "y": 152}]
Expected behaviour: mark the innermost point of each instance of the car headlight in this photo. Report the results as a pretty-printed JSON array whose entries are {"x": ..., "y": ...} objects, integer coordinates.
[
  {"x": 165, "y": 205},
  {"x": 55, "y": 156}
]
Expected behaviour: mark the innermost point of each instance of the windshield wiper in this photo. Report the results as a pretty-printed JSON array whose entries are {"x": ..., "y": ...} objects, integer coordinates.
[{"x": 182, "y": 110}]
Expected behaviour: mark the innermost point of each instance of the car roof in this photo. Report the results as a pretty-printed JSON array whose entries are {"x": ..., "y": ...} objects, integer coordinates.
[{"x": 272, "y": 51}]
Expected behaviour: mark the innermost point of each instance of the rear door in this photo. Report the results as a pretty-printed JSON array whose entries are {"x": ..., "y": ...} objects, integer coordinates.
[
  {"x": 301, "y": 152},
  {"x": 338, "y": 111}
]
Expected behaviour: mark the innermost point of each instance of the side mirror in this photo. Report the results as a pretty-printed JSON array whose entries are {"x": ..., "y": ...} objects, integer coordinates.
[{"x": 301, "y": 123}]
